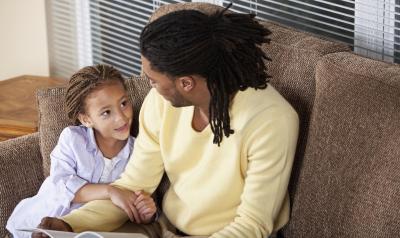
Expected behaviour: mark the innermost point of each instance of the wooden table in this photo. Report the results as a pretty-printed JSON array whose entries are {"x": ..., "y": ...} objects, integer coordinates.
[{"x": 18, "y": 111}]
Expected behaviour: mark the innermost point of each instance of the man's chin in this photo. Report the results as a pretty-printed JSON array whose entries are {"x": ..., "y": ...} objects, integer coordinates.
[
  {"x": 180, "y": 104},
  {"x": 175, "y": 104}
]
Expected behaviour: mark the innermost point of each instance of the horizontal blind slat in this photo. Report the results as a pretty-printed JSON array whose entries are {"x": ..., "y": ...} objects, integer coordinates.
[
  {"x": 116, "y": 34},
  {"x": 123, "y": 43},
  {"x": 124, "y": 23},
  {"x": 110, "y": 50},
  {"x": 109, "y": 8},
  {"x": 307, "y": 25}
]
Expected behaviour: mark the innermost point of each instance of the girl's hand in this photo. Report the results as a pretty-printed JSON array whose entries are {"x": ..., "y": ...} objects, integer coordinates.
[
  {"x": 125, "y": 200},
  {"x": 145, "y": 205}
]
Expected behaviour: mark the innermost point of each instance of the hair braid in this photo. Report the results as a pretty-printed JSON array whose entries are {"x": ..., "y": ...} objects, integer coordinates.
[
  {"x": 84, "y": 82},
  {"x": 224, "y": 48}
]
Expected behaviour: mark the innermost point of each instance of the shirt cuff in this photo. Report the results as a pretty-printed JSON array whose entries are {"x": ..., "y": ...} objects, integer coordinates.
[{"x": 73, "y": 184}]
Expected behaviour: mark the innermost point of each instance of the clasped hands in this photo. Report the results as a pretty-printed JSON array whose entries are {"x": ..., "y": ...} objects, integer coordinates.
[{"x": 139, "y": 206}]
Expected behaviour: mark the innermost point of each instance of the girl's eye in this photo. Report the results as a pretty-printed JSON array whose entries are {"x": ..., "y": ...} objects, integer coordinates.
[
  {"x": 105, "y": 113},
  {"x": 125, "y": 104}
]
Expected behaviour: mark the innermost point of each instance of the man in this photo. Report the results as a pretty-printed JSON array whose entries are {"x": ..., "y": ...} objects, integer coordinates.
[{"x": 224, "y": 136}]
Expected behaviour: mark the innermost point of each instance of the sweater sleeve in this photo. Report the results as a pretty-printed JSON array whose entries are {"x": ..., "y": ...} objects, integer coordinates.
[
  {"x": 270, "y": 149},
  {"x": 143, "y": 172}
]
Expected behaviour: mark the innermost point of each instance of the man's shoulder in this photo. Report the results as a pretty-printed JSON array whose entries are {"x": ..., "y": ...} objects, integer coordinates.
[{"x": 254, "y": 101}]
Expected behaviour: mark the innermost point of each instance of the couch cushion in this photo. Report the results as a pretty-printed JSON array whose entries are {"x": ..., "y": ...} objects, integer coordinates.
[
  {"x": 349, "y": 184},
  {"x": 53, "y": 118},
  {"x": 294, "y": 57}
]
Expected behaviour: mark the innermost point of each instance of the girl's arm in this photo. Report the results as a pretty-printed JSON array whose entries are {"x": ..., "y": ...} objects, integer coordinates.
[
  {"x": 63, "y": 173},
  {"x": 90, "y": 192}
]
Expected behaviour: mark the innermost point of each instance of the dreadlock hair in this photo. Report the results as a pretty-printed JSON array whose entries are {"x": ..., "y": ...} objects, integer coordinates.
[
  {"x": 224, "y": 48},
  {"x": 84, "y": 82}
]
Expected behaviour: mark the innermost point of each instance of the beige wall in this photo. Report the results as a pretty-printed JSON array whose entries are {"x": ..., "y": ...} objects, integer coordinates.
[{"x": 23, "y": 38}]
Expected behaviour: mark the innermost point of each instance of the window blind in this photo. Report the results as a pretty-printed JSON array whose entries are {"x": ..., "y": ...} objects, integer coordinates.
[
  {"x": 371, "y": 27},
  {"x": 86, "y": 32}
]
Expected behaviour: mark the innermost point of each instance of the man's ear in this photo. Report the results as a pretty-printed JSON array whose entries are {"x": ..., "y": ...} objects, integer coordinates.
[
  {"x": 85, "y": 120},
  {"x": 186, "y": 83}
]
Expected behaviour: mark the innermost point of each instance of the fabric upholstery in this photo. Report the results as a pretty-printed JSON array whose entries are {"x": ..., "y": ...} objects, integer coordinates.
[
  {"x": 21, "y": 173},
  {"x": 206, "y": 8},
  {"x": 349, "y": 185},
  {"x": 294, "y": 57},
  {"x": 53, "y": 118}
]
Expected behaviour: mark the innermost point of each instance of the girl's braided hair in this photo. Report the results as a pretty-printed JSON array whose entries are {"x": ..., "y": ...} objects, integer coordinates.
[{"x": 85, "y": 81}]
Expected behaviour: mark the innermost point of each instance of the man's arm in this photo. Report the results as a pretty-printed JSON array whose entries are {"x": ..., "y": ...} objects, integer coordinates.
[
  {"x": 143, "y": 172},
  {"x": 270, "y": 147}
]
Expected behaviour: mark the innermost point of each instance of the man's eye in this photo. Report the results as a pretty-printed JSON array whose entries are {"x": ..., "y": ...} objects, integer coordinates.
[{"x": 123, "y": 104}]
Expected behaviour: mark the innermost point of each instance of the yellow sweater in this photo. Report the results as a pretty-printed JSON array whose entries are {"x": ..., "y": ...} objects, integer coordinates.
[{"x": 236, "y": 190}]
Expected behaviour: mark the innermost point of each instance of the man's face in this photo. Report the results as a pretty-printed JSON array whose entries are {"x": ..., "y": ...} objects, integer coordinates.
[{"x": 164, "y": 85}]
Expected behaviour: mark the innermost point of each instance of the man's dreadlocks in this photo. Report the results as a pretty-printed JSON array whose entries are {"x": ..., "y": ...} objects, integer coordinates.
[{"x": 223, "y": 47}]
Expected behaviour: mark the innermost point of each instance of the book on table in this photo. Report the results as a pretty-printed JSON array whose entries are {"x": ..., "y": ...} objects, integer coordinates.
[{"x": 85, "y": 234}]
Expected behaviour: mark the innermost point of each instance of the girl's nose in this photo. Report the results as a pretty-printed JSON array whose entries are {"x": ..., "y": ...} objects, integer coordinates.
[{"x": 121, "y": 116}]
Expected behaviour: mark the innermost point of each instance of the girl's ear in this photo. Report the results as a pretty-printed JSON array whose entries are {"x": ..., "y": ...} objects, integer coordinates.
[{"x": 85, "y": 120}]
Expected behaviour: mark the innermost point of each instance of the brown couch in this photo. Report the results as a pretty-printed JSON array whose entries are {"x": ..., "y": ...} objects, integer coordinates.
[{"x": 346, "y": 176}]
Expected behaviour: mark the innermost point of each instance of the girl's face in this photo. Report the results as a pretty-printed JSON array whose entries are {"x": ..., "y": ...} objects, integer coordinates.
[{"x": 109, "y": 111}]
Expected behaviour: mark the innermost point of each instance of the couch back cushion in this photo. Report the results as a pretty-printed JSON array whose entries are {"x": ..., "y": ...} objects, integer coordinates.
[
  {"x": 349, "y": 185},
  {"x": 294, "y": 57},
  {"x": 53, "y": 118}
]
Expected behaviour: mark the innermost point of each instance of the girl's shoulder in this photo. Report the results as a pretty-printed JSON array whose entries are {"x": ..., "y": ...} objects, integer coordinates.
[
  {"x": 76, "y": 131},
  {"x": 76, "y": 135}
]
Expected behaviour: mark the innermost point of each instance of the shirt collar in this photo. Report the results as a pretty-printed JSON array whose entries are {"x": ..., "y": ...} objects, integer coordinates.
[
  {"x": 91, "y": 143},
  {"x": 124, "y": 154}
]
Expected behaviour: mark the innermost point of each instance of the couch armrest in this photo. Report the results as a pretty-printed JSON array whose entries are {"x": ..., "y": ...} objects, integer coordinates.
[{"x": 21, "y": 173}]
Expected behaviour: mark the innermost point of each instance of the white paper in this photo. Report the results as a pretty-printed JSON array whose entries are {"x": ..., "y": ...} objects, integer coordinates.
[{"x": 86, "y": 234}]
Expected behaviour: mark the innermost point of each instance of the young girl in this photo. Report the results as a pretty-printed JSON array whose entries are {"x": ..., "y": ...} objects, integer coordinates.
[{"x": 88, "y": 156}]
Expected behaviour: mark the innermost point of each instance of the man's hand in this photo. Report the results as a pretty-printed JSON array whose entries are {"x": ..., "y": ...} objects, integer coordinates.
[
  {"x": 51, "y": 223},
  {"x": 145, "y": 206},
  {"x": 125, "y": 200}
]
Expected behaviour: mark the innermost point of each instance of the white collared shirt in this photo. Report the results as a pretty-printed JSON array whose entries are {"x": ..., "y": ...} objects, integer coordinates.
[{"x": 75, "y": 161}]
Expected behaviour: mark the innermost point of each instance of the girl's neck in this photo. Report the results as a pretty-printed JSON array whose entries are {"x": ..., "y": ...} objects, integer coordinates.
[{"x": 109, "y": 147}]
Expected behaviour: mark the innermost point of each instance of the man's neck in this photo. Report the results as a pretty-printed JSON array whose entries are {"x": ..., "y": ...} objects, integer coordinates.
[{"x": 200, "y": 118}]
